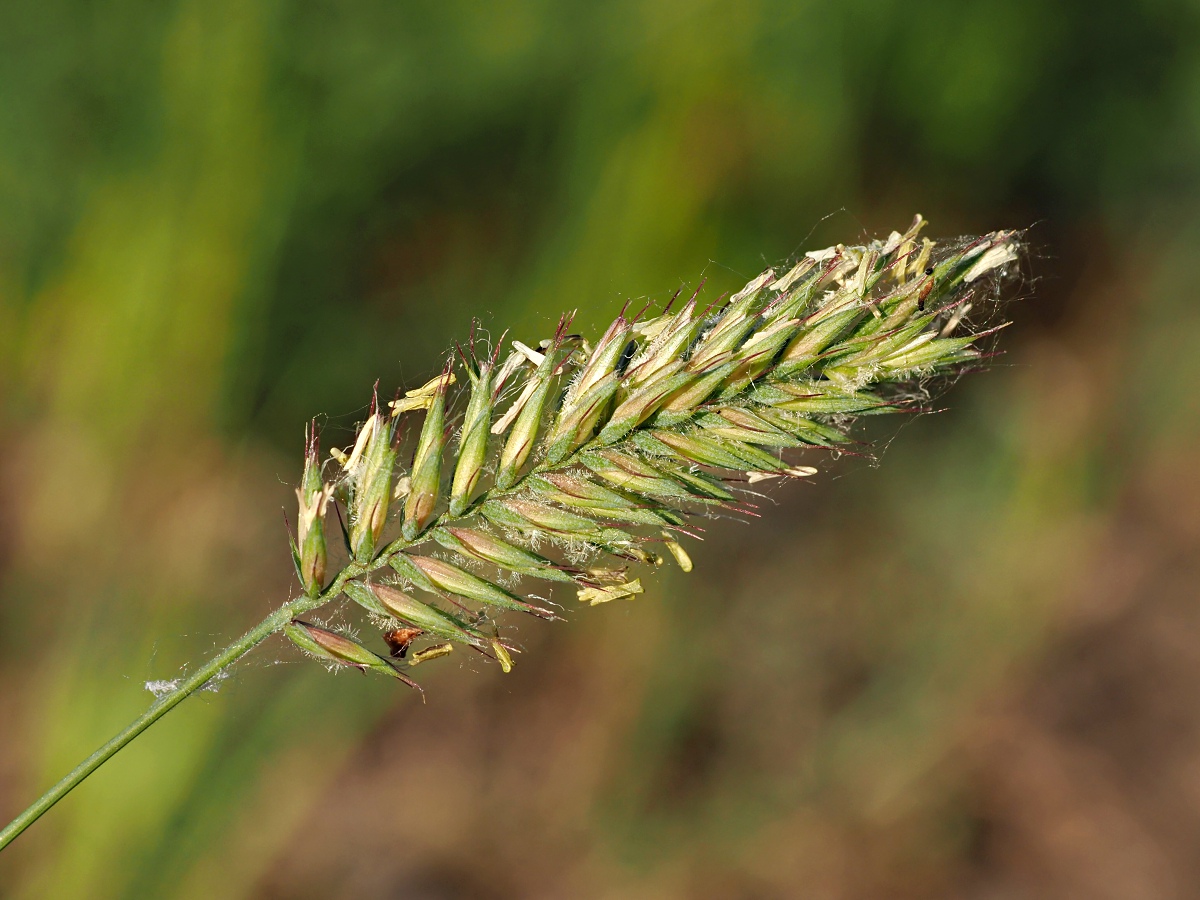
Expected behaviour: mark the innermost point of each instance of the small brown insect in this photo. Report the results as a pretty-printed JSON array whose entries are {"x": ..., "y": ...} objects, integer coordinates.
[
  {"x": 925, "y": 292},
  {"x": 399, "y": 639}
]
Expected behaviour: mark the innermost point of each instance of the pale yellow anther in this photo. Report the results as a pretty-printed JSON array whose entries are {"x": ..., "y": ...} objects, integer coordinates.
[
  {"x": 756, "y": 477},
  {"x": 801, "y": 471},
  {"x": 793, "y": 275},
  {"x": 677, "y": 551},
  {"x": 610, "y": 575},
  {"x": 908, "y": 245},
  {"x": 597, "y": 595},
  {"x": 510, "y": 365},
  {"x": 310, "y": 512},
  {"x": 756, "y": 284},
  {"x": 922, "y": 262},
  {"x": 846, "y": 266},
  {"x": 360, "y": 445},
  {"x": 502, "y": 657},
  {"x": 862, "y": 275},
  {"x": 767, "y": 333},
  {"x": 651, "y": 328},
  {"x": 503, "y": 423},
  {"x": 994, "y": 258},
  {"x": 529, "y": 353},
  {"x": 794, "y": 471},
  {"x": 915, "y": 229},
  {"x": 434, "y": 652},
  {"x": 422, "y": 397},
  {"x": 898, "y": 271}
]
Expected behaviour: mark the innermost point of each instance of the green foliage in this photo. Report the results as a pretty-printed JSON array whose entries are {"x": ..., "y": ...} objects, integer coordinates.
[{"x": 218, "y": 219}]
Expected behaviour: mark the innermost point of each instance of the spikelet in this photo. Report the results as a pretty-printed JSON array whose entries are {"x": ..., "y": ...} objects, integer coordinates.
[
  {"x": 476, "y": 430},
  {"x": 521, "y": 439},
  {"x": 426, "y": 478},
  {"x": 366, "y": 483},
  {"x": 602, "y": 455},
  {"x": 309, "y": 552},
  {"x": 340, "y": 650}
]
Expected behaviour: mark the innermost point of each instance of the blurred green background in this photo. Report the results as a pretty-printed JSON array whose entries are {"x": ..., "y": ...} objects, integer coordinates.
[{"x": 969, "y": 672}]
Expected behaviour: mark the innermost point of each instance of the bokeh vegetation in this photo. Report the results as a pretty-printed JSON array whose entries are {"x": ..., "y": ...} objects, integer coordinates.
[{"x": 965, "y": 673}]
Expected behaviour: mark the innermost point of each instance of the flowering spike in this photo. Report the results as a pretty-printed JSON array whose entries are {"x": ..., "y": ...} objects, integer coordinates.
[
  {"x": 662, "y": 419},
  {"x": 674, "y": 415}
]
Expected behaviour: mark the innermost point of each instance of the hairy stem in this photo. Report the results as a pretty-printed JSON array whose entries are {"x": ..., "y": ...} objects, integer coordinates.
[{"x": 163, "y": 705}]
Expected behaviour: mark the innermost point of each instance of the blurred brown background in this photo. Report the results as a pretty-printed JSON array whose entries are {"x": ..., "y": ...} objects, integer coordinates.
[{"x": 969, "y": 672}]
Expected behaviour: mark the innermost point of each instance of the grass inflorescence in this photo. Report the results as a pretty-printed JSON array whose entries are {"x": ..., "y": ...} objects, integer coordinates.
[{"x": 575, "y": 462}]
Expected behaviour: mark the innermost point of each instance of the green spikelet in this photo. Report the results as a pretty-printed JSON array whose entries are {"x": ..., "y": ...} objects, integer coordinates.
[
  {"x": 426, "y": 476},
  {"x": 588, "y": 397},
  {"x": 340, "y": 650},
  {"x": 472, "y": 543},
  {"x": 453, "y": 580},
  {"x": 523, "y": 436},
  {"x": 313, "y": 497},
  {"x": 473, "y": 440},
  {"x": 367, "y": 482},
  {"x": 384, "y": 600}
]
